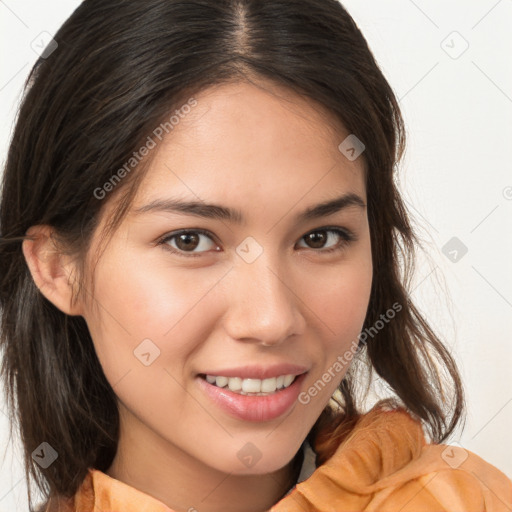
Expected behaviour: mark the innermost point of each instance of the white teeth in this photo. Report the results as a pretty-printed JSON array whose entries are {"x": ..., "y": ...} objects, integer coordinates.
[
  {"x": 250, "y": 386},
  {"x": 221, "y": 381},
  {"x": 234, "y": 384},
  {"x": 287, "y": 380},
  {"x": 269, "y": 385}
]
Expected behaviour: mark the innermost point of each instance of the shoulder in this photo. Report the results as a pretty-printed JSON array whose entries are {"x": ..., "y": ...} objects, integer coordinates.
[
  {"x": 385, "y": 464},
  {"x": 419, "y": 476},
  {"x": 445, "y": 478}
]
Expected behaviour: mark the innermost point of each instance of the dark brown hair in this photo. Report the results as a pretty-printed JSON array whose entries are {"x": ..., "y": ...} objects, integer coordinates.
[{"x": 119, "y": 68}]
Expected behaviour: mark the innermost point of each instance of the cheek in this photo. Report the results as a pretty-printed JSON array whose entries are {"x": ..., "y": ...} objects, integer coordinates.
[
  {"x": 348, "y": 309},
  {"x": 340, "y": 296},
  {"x": 340, "y": 302},
  {"x": 135, "y": 303}
]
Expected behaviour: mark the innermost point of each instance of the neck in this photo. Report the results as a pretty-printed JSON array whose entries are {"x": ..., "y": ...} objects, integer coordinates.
[{"x": 182, "y": 482}]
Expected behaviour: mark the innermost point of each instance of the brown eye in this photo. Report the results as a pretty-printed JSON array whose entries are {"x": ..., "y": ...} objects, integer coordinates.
[
  {"x": 186, "y": 242},
  {"x": 317, "y": 239},
  {"x": 320, "y": 237}
]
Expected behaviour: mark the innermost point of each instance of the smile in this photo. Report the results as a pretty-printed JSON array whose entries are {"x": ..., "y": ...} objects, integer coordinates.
[
  {"x": 254, "y": 406},
  {"x": 257, "y": 387}
]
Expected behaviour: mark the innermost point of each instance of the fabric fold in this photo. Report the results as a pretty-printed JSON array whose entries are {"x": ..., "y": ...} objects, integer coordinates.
[{"x": 385, "y": 465}]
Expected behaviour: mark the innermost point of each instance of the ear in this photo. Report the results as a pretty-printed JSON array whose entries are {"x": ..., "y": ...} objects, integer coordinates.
[{"x": 52, "y": 271}]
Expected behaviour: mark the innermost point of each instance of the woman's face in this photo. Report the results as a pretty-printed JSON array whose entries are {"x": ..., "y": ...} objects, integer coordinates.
[{"x": 240, "y": 295}]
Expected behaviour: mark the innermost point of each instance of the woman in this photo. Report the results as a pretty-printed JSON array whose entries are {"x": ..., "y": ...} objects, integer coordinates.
[{"x": 211, "y": 253}]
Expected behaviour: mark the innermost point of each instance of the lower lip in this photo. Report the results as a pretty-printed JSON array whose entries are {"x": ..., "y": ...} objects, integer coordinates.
[{"x": 254, "y": 408}]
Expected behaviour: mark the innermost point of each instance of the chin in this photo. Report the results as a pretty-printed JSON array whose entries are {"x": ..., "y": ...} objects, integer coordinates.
[{"x": 259, "y": 458}]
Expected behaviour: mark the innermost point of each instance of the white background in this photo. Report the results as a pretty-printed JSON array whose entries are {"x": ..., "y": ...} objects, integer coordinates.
[{"x": 456, "y": 179}]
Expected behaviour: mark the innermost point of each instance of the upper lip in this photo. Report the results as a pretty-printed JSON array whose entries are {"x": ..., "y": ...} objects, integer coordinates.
[{"x": 259, "y": 372}]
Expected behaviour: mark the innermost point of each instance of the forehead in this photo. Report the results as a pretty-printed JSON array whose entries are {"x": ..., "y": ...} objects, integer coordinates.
[{"x": 252, "y": 144}]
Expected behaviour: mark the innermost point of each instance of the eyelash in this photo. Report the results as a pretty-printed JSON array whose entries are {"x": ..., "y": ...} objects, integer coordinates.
[{"x": 346, "y": 236}]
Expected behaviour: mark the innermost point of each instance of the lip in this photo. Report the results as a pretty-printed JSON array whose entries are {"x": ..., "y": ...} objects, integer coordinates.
[
  {"x": 258, "y": 371},
  {"x": 253, "y": 408}
]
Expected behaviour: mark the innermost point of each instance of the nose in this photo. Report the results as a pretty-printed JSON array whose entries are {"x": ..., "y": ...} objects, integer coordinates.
[{"x": 263, "y": 305}]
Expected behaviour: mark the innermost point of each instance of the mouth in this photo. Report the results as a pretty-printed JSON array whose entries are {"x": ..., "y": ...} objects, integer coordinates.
[
  {"x": 269, "y": 403},
  {"x": 251, "y": 387}
]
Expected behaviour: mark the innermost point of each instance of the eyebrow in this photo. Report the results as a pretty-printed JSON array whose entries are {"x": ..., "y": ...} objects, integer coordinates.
[{"x": 215, "y": 211}]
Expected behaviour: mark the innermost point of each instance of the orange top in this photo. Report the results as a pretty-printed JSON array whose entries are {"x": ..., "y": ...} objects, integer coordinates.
[{"x": 383, "y": 465}]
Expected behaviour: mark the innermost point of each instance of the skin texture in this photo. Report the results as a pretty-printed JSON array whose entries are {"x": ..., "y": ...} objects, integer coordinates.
[{"x": 270, "y": 154}]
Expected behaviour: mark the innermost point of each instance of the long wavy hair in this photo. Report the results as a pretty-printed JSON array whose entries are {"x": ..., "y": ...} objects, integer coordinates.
[{"x": 119, "y": 68}]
